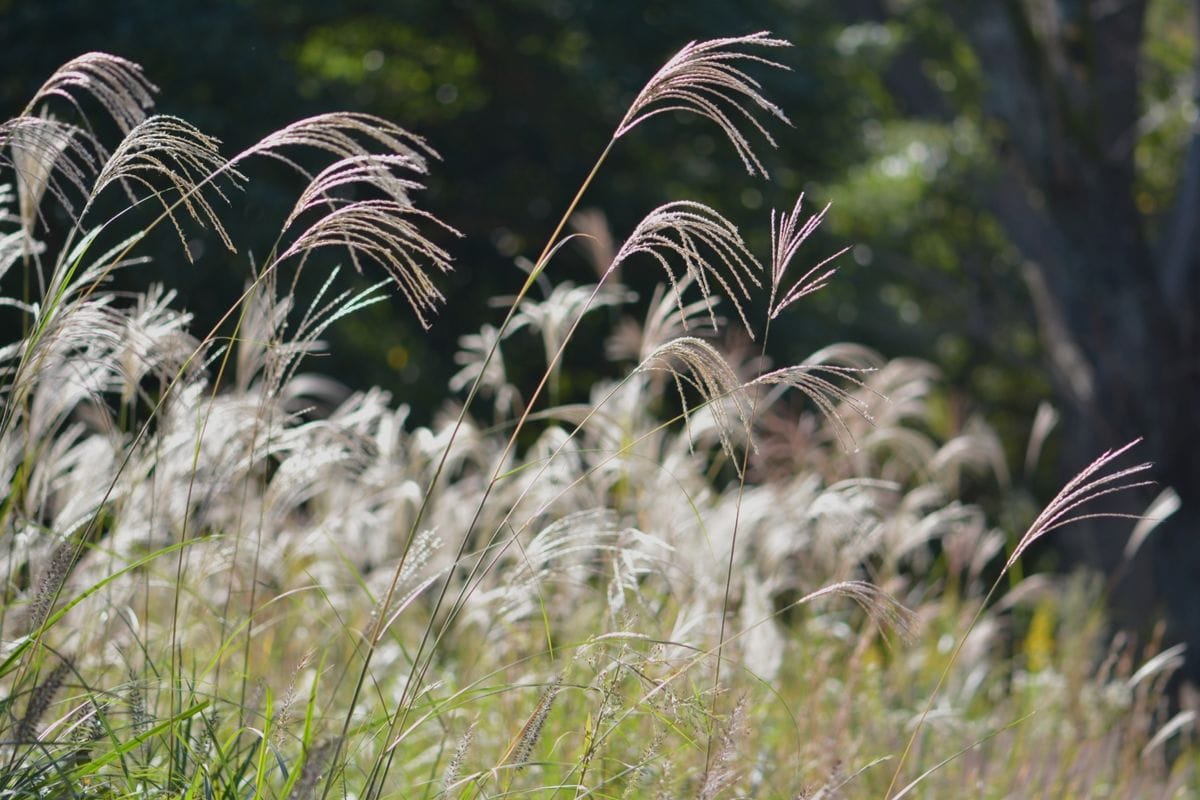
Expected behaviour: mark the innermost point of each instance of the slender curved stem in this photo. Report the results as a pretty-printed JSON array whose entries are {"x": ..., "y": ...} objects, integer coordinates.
[{"x": 413, "y": 682}]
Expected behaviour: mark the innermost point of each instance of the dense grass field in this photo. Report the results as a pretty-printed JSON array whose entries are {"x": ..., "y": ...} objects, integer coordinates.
[{"x": 226, "y": 576}]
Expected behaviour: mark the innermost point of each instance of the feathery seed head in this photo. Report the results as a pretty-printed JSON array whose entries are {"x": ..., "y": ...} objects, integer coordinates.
[
  {"x": 816, "y": 381},
  {"x": 168, "y": 148},
  {"x": 345, "y": 135},
  {"x": 1090, "y": 484},
  {"x": 706, "y": 78},
  {"x": 696, "y": 363},
  {"x": 47, "y": 154},
  {"x": 883, "y": 609},
  {"x": 709, "y": 245},
  {"x": 383, "y": 231},
  {"x": 373, "y": 169},
  {"x": 786, "y": 239},
  {"x": 116, "y": 83}
]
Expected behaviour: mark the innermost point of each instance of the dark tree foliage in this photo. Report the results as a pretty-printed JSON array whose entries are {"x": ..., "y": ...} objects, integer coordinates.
[{"x": 518, "y": 97}]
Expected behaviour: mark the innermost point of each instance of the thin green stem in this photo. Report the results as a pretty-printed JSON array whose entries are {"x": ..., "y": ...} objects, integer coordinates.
[
  {"x": 938, "y": 687},
  {"x": 737, "y": 518},
  {"x": 411, "y": 686}
]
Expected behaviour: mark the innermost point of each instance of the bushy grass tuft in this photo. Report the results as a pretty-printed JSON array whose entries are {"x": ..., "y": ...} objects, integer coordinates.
[{"x": 226, "y": 577}]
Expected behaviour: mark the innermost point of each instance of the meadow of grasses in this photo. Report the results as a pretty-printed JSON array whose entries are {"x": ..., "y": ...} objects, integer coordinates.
[{"x": 227, "y": 576}]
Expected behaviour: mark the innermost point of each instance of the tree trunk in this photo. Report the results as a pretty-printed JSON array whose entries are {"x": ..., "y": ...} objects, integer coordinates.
[{"x": 1116, "y": 314}]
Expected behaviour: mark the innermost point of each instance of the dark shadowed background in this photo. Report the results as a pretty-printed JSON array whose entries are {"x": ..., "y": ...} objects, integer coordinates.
[{"x": 1020, "y": 185}]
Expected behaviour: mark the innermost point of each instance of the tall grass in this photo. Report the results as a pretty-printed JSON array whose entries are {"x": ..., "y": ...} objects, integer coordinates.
[{"x": 690, "y": 585}]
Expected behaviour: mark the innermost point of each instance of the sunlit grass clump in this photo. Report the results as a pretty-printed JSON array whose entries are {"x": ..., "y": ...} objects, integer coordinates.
[{"x": 227, "y": 577}]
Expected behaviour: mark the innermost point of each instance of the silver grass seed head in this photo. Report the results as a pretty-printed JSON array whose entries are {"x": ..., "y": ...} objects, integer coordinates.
[
  {"x": 48, "y": 155},
  {"x": 820, "y": 383},
  {"x": 374, "y": 170},
  {"x": 1092, "y": 483},
  {"x": 787, "y": 234},
  {"x": 696, "y": 363},
  {"x": 164, "y": 149},
  {"x": 888, "y": 614},
  {"x": 116, "y": 83},
  {"x": 344, "y": 134},
  {"x": 707, "y": 78},
  {"x": 382, "y": 231},
  {"x": 710, "y": 247}
]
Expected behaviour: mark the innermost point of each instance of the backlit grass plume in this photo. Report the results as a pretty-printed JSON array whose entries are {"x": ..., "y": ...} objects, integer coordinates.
[
  {"x": 710, "y": 247},
  {"x": 116, "y": 83},
  {"x": 786, "y": 239},
  {"x": 386, "y": 233},
  {"x": 706, "y": 78},
  {"x": 48, "y": 155},
  {"x": 344, "y": 135},
  {"x": 695, "y": 363},
  {"x": 172, "y": 160},
  {"x": 1092, "y": 483}
]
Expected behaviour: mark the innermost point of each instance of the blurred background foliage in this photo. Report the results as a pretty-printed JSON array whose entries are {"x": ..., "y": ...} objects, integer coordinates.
[
  {"x": 520, "y": 97},
  {"x": 898, "y": 111}
]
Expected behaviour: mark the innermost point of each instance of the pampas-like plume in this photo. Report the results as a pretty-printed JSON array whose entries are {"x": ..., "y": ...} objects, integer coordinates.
[
  {"x": 343, "y": 134},
  {"x": 786, "y": 239},
  {"x": 885, "y": 611},
  {"x": 382, "y": 231},
  {"x": 476, "y": 367},
  {"x": 688, "y": 229},
  {"x": 1090, "y": 484},
  {"x": 13, "y": 246},
  {"x": 163, "y": 147},
  {"x": 49, "y": 155},
  {"x": 814, "y": 380},
  {"x": 704, "y": 78},
  {"x": 117, "y": 84},
  {"x": 373, "y": 169},
  {"x": 696, "y": 363}
]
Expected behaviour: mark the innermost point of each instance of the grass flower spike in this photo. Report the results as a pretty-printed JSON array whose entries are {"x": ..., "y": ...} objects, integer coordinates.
[{"x": 705, "y": 78}]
